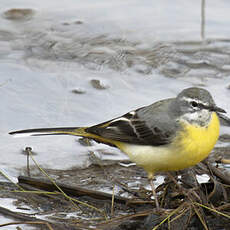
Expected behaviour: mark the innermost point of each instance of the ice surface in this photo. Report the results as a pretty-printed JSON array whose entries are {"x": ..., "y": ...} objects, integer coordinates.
[
  {"x": 204, "y": 178},
  {"x": 36, "y": 88}
]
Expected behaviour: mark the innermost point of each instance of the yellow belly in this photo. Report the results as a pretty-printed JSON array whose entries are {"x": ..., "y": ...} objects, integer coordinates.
[
  {"x": 197, "y": 142},
  {"x": 190, "y": 147}
]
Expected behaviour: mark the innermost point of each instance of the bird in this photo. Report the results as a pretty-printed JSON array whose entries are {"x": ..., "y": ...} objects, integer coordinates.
[{"x": 169, "y": 135}]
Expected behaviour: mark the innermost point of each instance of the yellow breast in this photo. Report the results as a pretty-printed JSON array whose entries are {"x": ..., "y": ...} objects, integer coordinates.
[{"x": 197, "y": 142}]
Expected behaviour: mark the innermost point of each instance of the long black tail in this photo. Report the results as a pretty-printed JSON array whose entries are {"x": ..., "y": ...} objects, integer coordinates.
[{"x": 76, "y": 131}]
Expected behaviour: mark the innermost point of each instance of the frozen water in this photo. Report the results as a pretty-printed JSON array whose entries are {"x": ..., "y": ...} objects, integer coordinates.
[{"x": 39, "y": 71}]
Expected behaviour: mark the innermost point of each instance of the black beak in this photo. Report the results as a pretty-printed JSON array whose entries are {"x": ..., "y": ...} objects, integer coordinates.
[{"x": 215, "y": 109}]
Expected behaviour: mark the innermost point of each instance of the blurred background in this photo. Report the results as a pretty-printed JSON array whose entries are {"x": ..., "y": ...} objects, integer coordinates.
[{"x": 78, "y": 63}]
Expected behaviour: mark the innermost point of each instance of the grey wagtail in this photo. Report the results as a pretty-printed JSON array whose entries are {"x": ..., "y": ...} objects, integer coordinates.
[{"x": 170, "y": 134}]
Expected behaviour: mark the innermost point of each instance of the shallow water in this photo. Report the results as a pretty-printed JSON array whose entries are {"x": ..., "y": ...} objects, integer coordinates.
[{"x": 68, "y": 63}]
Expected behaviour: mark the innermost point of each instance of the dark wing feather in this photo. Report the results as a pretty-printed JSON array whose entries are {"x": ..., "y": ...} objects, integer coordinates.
[{"x": 135, "y": 128}]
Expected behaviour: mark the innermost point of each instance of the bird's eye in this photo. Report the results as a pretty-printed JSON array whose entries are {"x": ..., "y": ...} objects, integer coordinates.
[{"x": 194, "y": 104}]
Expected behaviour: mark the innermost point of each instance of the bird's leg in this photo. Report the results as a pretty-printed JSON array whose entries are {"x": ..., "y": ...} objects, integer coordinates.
[{"x": 150, "y": 177}]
